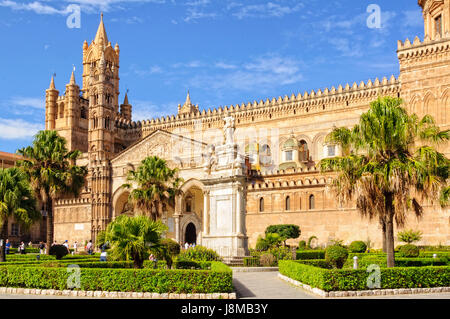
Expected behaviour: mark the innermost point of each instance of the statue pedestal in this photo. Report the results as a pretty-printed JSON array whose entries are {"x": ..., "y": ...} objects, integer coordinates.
[{"x": 226, "y": 184}]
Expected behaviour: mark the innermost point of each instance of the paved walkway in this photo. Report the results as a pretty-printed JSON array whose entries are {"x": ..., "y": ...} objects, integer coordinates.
[{"x": 266, "y": 285}]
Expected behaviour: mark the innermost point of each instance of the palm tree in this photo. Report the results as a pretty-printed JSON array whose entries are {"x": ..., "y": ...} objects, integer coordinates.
[
  {"x": 52, "y": 172},
  {"x": 16, "y": 201},
  {"x": 388, "y": 167},
  {"x": 157, "y": 185},
  {"x": 131, "y": 238}
]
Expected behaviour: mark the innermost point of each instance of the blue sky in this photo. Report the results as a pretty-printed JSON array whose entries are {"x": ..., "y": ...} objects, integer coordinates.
[{"x": 224, "y": 51}]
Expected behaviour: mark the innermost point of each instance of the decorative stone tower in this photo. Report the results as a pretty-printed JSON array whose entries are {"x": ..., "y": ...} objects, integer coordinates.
[
  {"x": 100, "y": 85},
  {"x": 51, "y": 107},
  {"x": 425, "y": 65}
]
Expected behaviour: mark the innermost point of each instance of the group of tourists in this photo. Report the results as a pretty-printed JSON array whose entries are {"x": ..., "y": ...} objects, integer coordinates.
[
  {"x": 187, "y": 245},
  {"x": 20, "y": 248}
]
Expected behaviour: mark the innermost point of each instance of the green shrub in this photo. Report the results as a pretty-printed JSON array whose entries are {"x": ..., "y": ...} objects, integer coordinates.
[
  {"x": 336, "y": 256},
  {"x": 284, "y": 231},
  {"x": 262, "y": 244},
  {"x": 199, "y": 253},
  {"x": 301, "y": 245},
  {"x": 357, "y": 247},
  {"x": 268, "y": 260},
  {"x": 310, "y": 239},
  {"x": 281, "y": 253},
  {"x": 343, "y": 279},
  {"x": 310, "y": 254},
  {"x": 172, "y": 246},
  {"x": 59, "y": 251},
  {"x": 216, "y": 280},
  {"x": 409, "y": 251},
  {"x": 409, "y": 236}
]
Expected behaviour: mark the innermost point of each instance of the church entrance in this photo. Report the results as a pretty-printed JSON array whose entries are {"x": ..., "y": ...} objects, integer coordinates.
[{"x": 191, "y": 234}]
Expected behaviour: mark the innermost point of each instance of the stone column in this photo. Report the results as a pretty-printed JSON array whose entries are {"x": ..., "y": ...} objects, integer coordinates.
[
  {"x": 178, "y": 201},
  {"x": 206, "y": 212}
]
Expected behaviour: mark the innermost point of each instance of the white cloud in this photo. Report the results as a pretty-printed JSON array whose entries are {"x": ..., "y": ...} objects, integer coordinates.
[
  {"x": 36, "y": 7},
  {"x": 263, "y": 72},
  {"x": 269, "y": 9},
  {"x": 194, "y": 14},
  {"x": 37, "y": 103},
  {"x": 412, "y": 18},
  {"x": 146, "y": 110},
  {"x": 346, "y": 47},
  {"x": 14, "y": 129}
]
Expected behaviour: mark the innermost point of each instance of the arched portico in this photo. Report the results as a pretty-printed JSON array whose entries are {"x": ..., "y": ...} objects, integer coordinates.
[{"x": 191, "y": 207}]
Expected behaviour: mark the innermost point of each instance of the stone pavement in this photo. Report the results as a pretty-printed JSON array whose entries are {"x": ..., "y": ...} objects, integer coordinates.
[{"x": 266, "y": 285}]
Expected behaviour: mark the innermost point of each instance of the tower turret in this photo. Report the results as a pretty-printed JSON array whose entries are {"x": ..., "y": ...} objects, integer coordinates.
[
  {"x": 51, "y": 96},
  {"x": 125, "y": 108},
  {"x": 72, "y": 102}
]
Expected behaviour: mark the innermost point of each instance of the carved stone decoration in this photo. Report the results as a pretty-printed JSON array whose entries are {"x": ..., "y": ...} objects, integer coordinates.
[
  {"x": 228, "y": 130},
  {"x": 210, "y": 160}
]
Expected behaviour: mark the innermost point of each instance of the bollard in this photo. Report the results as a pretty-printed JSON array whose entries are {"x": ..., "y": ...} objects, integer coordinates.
[{"x": 355, "y": 262}]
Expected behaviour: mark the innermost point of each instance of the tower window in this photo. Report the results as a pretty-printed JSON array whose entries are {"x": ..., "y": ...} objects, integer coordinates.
[
  {"x": 289, "y": 156},
  {"x": 14, "y": 229},
  {"x": 261, "y": 205},
  {"x": 83, "y": 113},
  {"x": 311, "y": 202},
  {"x": 288, "y": 203},
  {"x": 438, "y": 25}
]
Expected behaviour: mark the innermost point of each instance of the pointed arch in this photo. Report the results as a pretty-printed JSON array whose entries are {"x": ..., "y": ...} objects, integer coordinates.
[
  {"x": 414, "y": 104},
  {"x": 443, "y": 108},
  {"x": 429, "y": 105}
]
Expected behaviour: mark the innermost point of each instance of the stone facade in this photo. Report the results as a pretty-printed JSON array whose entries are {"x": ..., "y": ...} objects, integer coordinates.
[{"x": 245, "y": 166}]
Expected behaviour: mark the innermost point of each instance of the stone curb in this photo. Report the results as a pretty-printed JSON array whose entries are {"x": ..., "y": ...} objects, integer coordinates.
[
  {"x": 254, "y": 269},
  {"x": 360, "y": 293},
  {"x": 114, "y": 294}
]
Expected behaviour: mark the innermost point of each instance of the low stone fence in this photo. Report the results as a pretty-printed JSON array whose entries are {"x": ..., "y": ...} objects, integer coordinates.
[
  {"x": 113, "y": 294},
  {"x": 361, "y": 293}
]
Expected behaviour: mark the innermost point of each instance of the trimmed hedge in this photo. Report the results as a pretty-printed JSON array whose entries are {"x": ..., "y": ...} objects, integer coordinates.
[
  {"x": 310, "y": 254},
  {"x": 343, "y": 279},
  {"x": 218, "y": 279}
]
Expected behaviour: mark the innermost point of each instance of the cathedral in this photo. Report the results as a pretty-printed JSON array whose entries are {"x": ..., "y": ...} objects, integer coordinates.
[{"x": 244, "y": 166}]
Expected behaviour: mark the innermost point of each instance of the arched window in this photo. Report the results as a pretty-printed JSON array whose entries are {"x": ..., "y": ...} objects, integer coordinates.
[
  {"x": 83, "y": 113},
  {"x": 311, "y": 202},
  {"x": 189, "y": 204},
  {"x": 288, "y": 203},
  {"x": 61, "y": 110},
  {"x": 261, "y": 204},
  {"x": 265, "y": 155},
  {"x": 303, "y": 153}
]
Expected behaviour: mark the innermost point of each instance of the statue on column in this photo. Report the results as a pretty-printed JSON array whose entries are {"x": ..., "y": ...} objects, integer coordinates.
[{"x": 229, "y": 129}]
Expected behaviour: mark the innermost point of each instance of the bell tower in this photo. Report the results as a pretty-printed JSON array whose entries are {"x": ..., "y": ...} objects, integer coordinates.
[
  {"x": 425, "y": 66},
  {"x": 436, "y": 15}
]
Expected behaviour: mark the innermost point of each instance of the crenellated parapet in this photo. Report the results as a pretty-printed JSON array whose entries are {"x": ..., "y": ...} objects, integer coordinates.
[
  {"x": 328, "y": 99},
  {"x": 418, "y": 49}
]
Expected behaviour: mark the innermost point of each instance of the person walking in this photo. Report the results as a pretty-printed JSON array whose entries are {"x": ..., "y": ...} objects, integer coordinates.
[
  {"x": 41, "y": 248},
  {"x": 103, "y": 253},
  {"x": 186, "y": 246},
  {"x": 22, "y": 248},
  {"x": 66, "y": 244},
  {"x": 7, "y": 246},
  {"x": 75, "y": 247},
  {"x": 89, "y": 247}
]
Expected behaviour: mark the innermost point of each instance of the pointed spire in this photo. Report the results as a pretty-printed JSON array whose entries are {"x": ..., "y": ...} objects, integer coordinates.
[
  {"x": 188, "y": 99},
  {"x": 101, "y": 33},
  {"x": 125, "y": 100},
  {"x": 52, "y": 83},
  {"x": 72, "y": 78}
]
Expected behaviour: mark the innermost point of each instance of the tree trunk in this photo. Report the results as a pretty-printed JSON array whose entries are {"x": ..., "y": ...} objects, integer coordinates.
[
  {"x": 4, "y": 236},
  {"x": 389, "y": 221},
  {"x": 49, "y": 209},
  {"x": 383, "y": 227}
]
